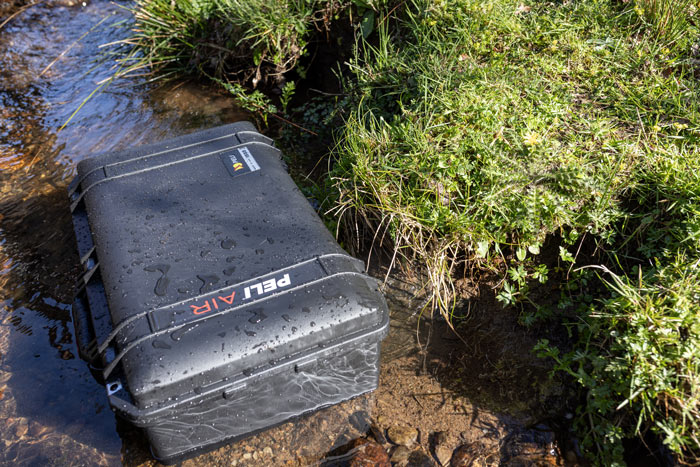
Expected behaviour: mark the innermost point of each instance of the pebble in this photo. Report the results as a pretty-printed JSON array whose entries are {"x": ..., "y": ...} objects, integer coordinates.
[
  {"x": 247, "y": 456},
  {"x": 469, "y": 455},
  {"x": 359, "y": 420},
  {"x": 21, "y": 427},
  {"x": 366, "y": 453},
  {"x": 378, "y": 434},
  {"x": 440, "y": 437},
  {"x": 400, "y": 455},
  {"x": 420, "y": 459},
  {"x": 402, "y": 435},
  {"x": 36, "y": 429},
  {"x": 267, "y": 451},
  {"x": 443, "y": 454}
]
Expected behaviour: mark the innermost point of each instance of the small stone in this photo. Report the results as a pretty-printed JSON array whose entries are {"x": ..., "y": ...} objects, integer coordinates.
[
  {"x": 256, "y": 455},
  {"x": 247, "y": 456},
  {"x": 467, "y": 455},
  {"x": 21, "y": 427},
  {"x": 402, "y": 435},
  {"x": 36, "y": 429},
  {"x": 367, "y": 453},
  {"x": 400, "y": 455},
  {"x": 440, "y": 437},
  {"x": 382, "y": 420},
  {"x": 420, "y": 459},
  {"x": 234, "y": 462},
  {"x": 377, "y": 433},
  {"x": 360, "y": 421},
  {"x": 443, "y": 454},
  {"x": 267, "y": 451}
]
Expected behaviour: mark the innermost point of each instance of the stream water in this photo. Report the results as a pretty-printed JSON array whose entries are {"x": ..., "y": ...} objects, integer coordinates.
[{"x": 53, "y": 412}]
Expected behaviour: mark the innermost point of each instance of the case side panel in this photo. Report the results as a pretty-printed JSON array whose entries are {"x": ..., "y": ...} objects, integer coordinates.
[{"x": 267, "y": 402}]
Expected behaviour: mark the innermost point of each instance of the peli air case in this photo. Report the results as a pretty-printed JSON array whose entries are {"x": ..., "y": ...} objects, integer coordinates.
[{"x": 214, "y": 303}]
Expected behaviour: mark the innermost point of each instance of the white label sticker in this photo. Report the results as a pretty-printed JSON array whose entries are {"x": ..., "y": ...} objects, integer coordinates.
[{"x": 249, "y": 159}]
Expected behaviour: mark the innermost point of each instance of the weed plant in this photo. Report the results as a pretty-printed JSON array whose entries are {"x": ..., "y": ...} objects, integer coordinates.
[
  {"x": 481, "y": 129},
  {"x": 251, "y": 42}
]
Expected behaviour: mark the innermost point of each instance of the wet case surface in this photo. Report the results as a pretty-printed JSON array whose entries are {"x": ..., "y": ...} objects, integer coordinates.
[{"x": 214, "y": 303}]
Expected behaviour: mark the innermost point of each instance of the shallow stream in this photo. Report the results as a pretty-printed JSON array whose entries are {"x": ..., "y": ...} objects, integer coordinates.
[{"x": 54, "y": 413}]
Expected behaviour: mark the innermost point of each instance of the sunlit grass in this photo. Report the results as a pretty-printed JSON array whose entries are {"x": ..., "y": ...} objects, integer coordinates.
[{"x": 484, "y": 128}]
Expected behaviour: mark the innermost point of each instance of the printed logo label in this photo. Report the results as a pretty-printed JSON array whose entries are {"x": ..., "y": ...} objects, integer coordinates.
[
  {"x": 252, "y": 291},
  {"x": 236, "y": 295},
  {"x": 264, "y": 287},
  {"x": 240, "y": 162}
]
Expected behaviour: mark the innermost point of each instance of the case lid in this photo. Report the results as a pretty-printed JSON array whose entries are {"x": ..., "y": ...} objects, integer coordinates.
[{"x": 212, "y": 262}]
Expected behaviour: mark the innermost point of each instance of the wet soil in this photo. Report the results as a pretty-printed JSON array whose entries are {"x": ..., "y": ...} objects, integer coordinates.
[{"x": 482, "y": 393}]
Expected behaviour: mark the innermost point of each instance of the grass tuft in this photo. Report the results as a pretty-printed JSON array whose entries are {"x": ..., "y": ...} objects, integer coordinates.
[
  {"x": 483, "y": 129},
  {"x": 251, "y": 42}
]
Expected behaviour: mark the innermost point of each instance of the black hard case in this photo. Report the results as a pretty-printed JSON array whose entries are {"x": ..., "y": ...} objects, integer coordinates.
[{"x": 214, "y": 303}]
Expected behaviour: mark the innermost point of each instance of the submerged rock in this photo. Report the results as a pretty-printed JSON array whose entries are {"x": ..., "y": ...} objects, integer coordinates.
[
  {"x": 443, "y": 454},
  {"x": 474, "y": 454},
  {"x": 402, "y": 435},
  {"x": 378, "y": 434},
  {"x": 400, "y": 455},
  {"x": 441, "y": 449},
  {"x": 420, "y": 459},
  {"x": 366, "y": 453}
]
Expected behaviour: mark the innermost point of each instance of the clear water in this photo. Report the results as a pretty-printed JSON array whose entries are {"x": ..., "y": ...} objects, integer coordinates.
[{"x": 53, "y": 412}]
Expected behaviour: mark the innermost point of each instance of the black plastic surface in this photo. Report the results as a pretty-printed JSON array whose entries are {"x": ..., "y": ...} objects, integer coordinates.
[{"x": 211, "y": 267}]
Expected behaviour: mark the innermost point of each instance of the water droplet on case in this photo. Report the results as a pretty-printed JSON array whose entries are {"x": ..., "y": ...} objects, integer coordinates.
[
  {"x": 208, "y": 282},
  {"x": 163, "y": 282},
  {"x": 258, "y": 315},
  {"x": 228, "y": 244}
]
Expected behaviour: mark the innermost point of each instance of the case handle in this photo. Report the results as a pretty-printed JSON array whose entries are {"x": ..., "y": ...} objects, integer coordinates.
[{"x": 85, "y": 337}]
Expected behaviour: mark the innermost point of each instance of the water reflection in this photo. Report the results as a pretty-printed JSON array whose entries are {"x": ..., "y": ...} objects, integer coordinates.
[{"x": 54, "y": 411}]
